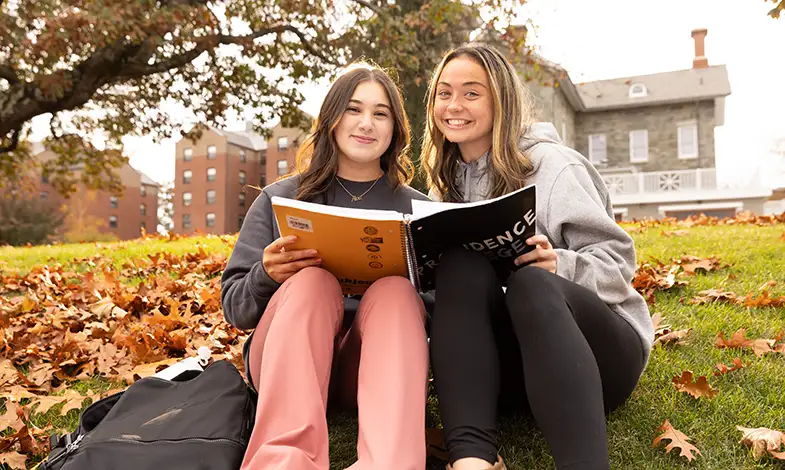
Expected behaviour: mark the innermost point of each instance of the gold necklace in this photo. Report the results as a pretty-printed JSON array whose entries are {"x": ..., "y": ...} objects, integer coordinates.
[{"x": 358, "y": 198}]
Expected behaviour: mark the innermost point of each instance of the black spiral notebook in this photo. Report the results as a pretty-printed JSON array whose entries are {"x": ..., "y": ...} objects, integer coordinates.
[{"x": 360, "y": 246}]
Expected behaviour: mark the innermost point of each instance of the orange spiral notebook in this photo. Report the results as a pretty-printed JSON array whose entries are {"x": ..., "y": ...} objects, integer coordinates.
[{"x": 360, "y": 246}]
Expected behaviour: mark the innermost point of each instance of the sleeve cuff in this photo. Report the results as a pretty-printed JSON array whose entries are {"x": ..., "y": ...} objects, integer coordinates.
[{"x": 565, "y": 263}]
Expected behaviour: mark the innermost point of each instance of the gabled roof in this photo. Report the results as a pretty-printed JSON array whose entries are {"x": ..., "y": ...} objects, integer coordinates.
[
  {"x": 146, "y": 179},
  {"x": 661, "y": 88}
]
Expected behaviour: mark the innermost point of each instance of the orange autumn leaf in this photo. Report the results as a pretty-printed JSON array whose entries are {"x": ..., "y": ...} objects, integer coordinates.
[
  {"x": 782, "y": 237},
  {"x": 738, "y": 340},
  {"x": 699, "y": 388},
  {"x": 763, "y": 440},
  {"x": 677, "y": 439},
  {"x": 692, "y": 264},
  {"x": 722, "y": 369}
]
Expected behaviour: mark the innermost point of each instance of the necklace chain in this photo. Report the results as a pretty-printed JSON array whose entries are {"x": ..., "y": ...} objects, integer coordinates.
[{"x": 358, "y": 198}]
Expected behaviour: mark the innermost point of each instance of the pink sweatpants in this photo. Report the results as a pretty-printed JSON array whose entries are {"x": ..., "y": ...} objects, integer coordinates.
[{"x": 380, "y": 365}]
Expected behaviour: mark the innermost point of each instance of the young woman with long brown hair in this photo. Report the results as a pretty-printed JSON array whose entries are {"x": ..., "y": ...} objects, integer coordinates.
[
  {"x": 308, "y": 344},
  {"x": 565, "y": 337}
]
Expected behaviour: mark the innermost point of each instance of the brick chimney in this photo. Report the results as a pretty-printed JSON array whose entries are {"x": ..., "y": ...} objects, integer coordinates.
[{"x": 700, "y": 61}]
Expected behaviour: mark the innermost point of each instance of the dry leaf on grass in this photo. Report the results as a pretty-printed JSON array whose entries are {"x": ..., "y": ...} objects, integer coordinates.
[
  {"x": 13, "y": 417},
  {"x": 693, "y": 264},
  {"x": 762, "y": 440},
  {"x": 674, "y": 233},
  {"x": 722, "y": 369},
  {"x": 14, "y": 460},
  {"x": 782, "y": 237},
  {"x": 672, "y": 337},
  {"x": 678, "y": 440},
  {"x": 713, "y": 295},
  {"x": 699, "y": 388},
  {"x": 738, "y": 340}
]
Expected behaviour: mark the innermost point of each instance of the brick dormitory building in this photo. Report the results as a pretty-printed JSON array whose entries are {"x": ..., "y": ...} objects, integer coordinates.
[
  {"x": 121, "y": 216},
  {"x": 216, "y": 174}
]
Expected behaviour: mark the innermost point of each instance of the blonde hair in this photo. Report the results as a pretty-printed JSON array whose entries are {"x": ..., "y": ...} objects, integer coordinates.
[
  {"x": 508, "y": 167},
  {"x": 317, "y": 157}
]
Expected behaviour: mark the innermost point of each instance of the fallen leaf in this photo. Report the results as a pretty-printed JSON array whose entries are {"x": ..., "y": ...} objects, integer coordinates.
[
  {"x": 713, "y": 295},
  {"x": 674, "y": 233},
  {"x": 782, "y": 237},
  {"x": 672, "y": 337},
  {"x": 699, "y": 388},
  {"x": 14, "y": 460},
  {"x": 722, "y": 369},
  {"x": 738, "y": 340},
  {"x": 678, "y": 440},
  {"x": 767, "y": 285},
  {"x": 763, "y": 440},
  {"x": 13, "y": 417}
]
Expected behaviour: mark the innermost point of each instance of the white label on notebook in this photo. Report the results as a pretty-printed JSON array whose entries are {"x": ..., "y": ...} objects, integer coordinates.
[{"x": 298, "y": 223}]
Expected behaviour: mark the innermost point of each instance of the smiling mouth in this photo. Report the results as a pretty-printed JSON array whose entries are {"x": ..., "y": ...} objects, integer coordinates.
[
  {"x": 363, "y": 140},
  {"x": 457, "y": 123}
]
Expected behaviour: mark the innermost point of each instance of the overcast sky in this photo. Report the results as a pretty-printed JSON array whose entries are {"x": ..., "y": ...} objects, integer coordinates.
[{"x": 600, "y": 39}]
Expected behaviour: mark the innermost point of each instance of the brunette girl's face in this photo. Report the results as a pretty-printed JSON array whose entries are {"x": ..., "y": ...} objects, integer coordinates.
[
  {"x": 365, "y": 130},
  {"x": 463, "y": 105}
]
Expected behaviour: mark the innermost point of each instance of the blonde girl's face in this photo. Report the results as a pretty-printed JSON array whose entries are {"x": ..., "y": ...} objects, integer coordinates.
[{"x": 463, "y": 105}]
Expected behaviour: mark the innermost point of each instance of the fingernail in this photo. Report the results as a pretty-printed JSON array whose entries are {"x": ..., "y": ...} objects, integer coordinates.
[
  {"x": 312, "y": 252},
  {"x": 318, "y": 261},
  {"x": 291, "y": 238}
]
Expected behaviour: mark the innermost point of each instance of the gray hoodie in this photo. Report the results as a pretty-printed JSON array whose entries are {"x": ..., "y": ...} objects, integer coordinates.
[{"x": 574, "y": 211}]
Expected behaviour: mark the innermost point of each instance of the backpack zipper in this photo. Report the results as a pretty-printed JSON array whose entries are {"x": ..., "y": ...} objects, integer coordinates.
[{"x": 187, "y": 439}]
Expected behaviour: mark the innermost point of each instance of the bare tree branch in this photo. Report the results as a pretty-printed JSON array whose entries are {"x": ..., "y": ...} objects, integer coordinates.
[
  {"x": 9, "y": 74},
  {"x": 370, "y": 6},
  {"x": 276, "y": 29}
]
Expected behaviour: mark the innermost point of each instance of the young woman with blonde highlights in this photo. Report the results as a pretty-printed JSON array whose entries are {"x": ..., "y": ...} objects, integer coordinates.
[{"x": 565, "y": 337}]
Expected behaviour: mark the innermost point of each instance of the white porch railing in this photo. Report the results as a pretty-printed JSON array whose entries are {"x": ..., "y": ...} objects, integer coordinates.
[{"x": 661, "y": 181}]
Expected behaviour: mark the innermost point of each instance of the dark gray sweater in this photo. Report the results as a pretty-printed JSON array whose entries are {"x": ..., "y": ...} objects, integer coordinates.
[{"x": 245, "y": 286}]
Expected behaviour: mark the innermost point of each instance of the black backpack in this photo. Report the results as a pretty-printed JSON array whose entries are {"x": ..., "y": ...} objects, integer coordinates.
[{"x": 201, "y": 421}]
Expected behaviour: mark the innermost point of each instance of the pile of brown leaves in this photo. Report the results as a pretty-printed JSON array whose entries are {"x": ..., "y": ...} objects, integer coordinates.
[
  {"x": 742, "y": 218},
  {"x": 60, "y": 326},
  {"x": 658, "y": 276}
]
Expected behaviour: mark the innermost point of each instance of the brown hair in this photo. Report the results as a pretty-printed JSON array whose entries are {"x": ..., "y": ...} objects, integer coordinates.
[
  {"x": 508, "y": 166},
  {"x": 317, "y": 157}
]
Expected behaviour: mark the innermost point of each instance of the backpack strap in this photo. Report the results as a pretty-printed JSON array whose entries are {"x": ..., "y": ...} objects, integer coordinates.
[{"x": 56, "y": 441}]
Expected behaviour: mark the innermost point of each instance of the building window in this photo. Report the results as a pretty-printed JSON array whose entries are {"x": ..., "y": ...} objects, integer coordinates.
[
  {"x": 186, "y": 220},
  {"x": 240, "y": 220},
  {"x": 187, "y": 199},
  {"x": 187, "y": 175},
  {"x": 283, "y": 167},
  {"x": 112, "y": 221},
  {"x": 142, "y": 225},
  {"x": 45, "y": 179},
  {"x": 638, "y": 90},
  {"x": 210, "y": 219},
  {"x": 113, "y": 202},
  {"x": 242, "y": 177},
  {"x": 188, "y": 154},
  {"x": 142, "y": 210},
  {"x": 283, "y": 143},
  {"x": 639, "y": 146},
  {"x": 212, "y": 152},
  {"x": 263, "y": 156},
  {"x": 241, "y": 199},
  {"x": 262, "y": 180},
  {"x": 688, "y": 140},
  {"x": 210, "y": 196},
  {"x": 211, "y": 174},
  {"x": 43, "y": 195},
  {"x": 242, "y": 156},
  {"x": 597, "y": 149},
  {"x": 143, "y": 191}
]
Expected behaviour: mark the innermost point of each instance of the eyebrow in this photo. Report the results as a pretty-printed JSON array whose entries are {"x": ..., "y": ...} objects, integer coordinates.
[
  {"x": 465, "y": 84},
  {"x": 377, "y": 104}
]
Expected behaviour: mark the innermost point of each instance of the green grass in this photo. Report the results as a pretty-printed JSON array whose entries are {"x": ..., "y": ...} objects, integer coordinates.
[{"x": 751, "y": 397}]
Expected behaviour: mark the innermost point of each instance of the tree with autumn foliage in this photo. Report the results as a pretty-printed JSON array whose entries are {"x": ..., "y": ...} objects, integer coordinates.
[
  {"x": 778, "y": 9},
  {"x": 103, "y": 70}
]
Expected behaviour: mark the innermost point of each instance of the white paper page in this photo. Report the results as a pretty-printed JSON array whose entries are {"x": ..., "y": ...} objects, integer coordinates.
[{"x": 365, "y": 214}]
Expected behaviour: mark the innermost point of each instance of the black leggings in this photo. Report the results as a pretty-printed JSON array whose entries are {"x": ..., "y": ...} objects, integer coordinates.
[{"x": 580, "y": 359}]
